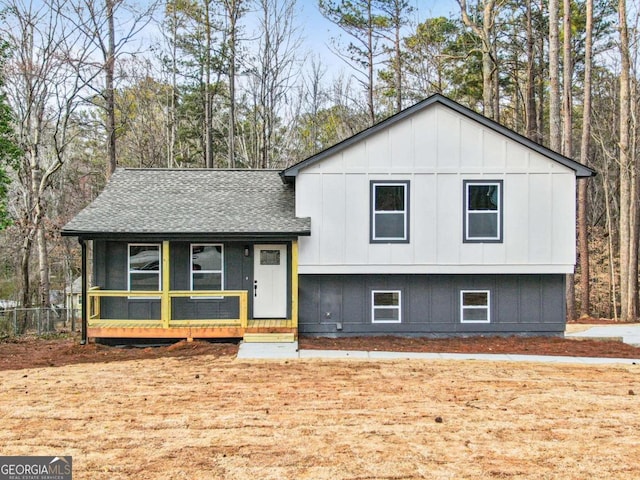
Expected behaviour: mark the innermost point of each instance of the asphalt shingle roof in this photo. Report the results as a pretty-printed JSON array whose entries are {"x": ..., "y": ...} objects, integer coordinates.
[{"x": 191, "y": 201}]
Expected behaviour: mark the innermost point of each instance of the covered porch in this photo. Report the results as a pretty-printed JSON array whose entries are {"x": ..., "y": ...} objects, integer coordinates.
[
  {"x": 190, "y": 253},
  {"x": 171, "y": 322}
]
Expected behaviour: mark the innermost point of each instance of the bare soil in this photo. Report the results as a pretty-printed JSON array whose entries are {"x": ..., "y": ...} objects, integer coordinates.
[
  {"x": 31, "y": 352},
  {"x": 516, "y": 345},
  {"x": 211, "y": 416}
]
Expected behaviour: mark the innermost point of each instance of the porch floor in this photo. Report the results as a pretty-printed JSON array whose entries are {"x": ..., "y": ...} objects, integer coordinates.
[{"x": 190, "y": 330}]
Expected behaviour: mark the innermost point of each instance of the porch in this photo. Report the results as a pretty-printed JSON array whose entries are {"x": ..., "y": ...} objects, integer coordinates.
[{"x": 169, "y": 325}]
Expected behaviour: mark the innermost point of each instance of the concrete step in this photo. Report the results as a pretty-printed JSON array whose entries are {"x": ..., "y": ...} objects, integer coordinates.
[{"x": 269, "y": 337}]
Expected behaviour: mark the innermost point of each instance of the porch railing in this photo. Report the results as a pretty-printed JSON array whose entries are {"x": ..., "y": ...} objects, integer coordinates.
[{"x": 167, "y": 320}]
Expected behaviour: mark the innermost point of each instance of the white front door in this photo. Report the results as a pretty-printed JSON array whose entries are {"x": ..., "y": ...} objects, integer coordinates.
[{"x": 270, "y": 281}]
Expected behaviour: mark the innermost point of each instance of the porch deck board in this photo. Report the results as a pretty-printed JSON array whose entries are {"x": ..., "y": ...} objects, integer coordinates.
[
  {"x": 270, "y": 323},
  {"x": 187, "y": 328}
]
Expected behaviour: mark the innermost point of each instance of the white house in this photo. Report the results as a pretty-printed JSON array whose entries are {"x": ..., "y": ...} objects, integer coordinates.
[{"x": 436, "y": 221}]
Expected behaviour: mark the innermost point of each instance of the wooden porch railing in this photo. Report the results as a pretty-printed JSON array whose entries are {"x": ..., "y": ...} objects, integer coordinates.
[{"x": 166, "y": 320}]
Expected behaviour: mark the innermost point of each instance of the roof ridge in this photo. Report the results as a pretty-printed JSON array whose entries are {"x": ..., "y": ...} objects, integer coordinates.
[{"x": 198, "y": 169}]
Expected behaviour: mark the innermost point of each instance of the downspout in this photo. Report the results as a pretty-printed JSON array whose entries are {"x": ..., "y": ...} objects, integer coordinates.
[{"x": 85, "y": 307}]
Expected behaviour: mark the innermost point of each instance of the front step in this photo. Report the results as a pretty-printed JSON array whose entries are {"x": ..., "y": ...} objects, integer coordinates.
[{"x": 269, "y": 337}]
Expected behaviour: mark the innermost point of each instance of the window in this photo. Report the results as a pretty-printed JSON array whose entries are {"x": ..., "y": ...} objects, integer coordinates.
[
  {"x": 144, "y": 267},
  {"x": 389, "y": 212},
  {"x": 207, "y": 261},
  {"x": 386, "y": 306},
  {"x": 482, "y": 211},
  {"x": 269, "y": 257},
  {"x": 474, "y": 306}
]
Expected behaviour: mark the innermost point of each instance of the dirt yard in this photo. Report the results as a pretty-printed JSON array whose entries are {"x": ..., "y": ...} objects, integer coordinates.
[
  {"x": 195, "y": 412},
  {"x": 30, "y": 352}
]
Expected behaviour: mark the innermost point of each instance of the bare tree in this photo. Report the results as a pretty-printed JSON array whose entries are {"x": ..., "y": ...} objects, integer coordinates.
[
  {"x": 234, "y": 9},
  {"x": 365, "y": 25},
  {"x": 567, "y": 123},
  {"x": 43, "y": 88},
  {"x": 531, "y": 126},
  {"x": 555, "y": 137},
  {"x": 397, "y": 12},
  {"x": 484, "y": 30},
  {"x": 583, "y": 233},
  {"x": 97, "y": 22},
  {"x": 273, "y": 74},
  {"x": 628, "y": 208}
]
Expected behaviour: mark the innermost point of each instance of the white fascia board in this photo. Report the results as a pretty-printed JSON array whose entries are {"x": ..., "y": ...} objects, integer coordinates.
[{"x": 433, "y": 269}]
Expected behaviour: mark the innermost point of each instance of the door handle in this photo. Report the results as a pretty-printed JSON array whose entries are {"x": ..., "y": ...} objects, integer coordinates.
[{"x": 255, "y": 288}]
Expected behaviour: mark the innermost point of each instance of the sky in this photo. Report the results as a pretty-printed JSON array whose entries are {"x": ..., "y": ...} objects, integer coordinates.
[{"x": 318, "y": 30}]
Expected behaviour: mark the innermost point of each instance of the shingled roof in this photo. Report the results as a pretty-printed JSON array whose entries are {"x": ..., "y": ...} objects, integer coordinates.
[{"x": 190, "y": 203}]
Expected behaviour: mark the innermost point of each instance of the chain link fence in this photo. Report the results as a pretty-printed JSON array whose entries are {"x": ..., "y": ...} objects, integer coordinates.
[{"x": 38, "y": 321}]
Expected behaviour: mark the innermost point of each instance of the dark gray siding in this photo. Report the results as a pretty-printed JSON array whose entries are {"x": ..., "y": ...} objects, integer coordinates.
[
  {"x": 520, "y": 304},
  {"x": 111, "y": 270},
  {"x": 110, "y": 273}
]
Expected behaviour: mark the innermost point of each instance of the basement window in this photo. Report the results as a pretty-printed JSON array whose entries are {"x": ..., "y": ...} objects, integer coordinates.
[
  {"x": 475, "y": 306},
  {"x": 386, "y": 306}
]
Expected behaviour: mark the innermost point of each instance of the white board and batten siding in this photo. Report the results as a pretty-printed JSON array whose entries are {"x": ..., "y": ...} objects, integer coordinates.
[{"x": 436, "y": 149}]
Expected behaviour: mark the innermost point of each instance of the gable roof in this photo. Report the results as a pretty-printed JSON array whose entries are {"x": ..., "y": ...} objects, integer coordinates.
[
  {"x": 581, "y": 170},
  {"x": 191, "y": 203}
]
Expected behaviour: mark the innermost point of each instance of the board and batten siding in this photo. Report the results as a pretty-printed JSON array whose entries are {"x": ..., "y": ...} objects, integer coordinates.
[
  {"x": 436, "y": 149},
  {"x": 340, "y": 305}
]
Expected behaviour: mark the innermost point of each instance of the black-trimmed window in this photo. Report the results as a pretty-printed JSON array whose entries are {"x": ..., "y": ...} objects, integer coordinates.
[
  {"x": 389, "y": 212},
  {"x": 386, "y": 306},
  {"x": 483, "y": 211},
  {"x": 207, "y": 266},
  {"x": 475, "y": 306},
  {"x": 144, "y": 267}
]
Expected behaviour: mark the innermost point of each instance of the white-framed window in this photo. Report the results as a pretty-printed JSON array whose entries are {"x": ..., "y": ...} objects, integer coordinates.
[
  {"x": 483, "y": 211},
  {"x": 389, "y": 212},
  {"x": 386, "y": 306},
  {"x": 475, "y": 306},
  {"x": 145, "y": 267},
  {"x": 207, "y": 266}
]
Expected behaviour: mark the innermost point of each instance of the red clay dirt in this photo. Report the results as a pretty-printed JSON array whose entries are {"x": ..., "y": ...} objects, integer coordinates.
[
  {"x": 515, "y": 345},
  {"x": 31, "y": 352}
]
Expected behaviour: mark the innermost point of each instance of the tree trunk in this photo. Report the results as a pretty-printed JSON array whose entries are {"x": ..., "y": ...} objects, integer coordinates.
[
  {"x": 541, "y": 86},
  {"x": 567, "y": 122},
  {"x": 490, "y": 96},
  {"x": 173, "y": 101},
  {"x": 232, "y": 100},
  {"x": 371, "y": 72},
  {"x": 43, "y": 263},
  {"x": 583, "y": 233},
  {"x": 208, "y": 137},
  {"x": 233, "y": 12},
  {"x": 554, "y": 78},
  {"x": 398, "y": 61},
  {"x": 109, "y": 92},
  {"x": 530, "y": 102},
  {"x": 628, "y": 282}
]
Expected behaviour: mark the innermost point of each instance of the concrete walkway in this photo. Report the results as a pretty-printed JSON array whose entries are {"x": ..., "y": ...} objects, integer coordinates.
[
  {"x": 628, "y": 333},
  {"x": 287, "y": 351}
]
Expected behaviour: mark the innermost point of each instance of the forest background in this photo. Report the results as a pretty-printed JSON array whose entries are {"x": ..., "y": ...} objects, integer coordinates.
[{"x": 88, "y": 85}]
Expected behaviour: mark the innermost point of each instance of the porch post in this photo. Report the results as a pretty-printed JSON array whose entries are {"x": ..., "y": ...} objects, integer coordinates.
[
  {"x": 165, "y": 303},
  {"x": 294, "y": 283},
  {"x": 85, "y": 304}
]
